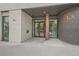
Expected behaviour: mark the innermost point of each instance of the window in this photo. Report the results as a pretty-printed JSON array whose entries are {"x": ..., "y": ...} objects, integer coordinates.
[{"x": 5, "y": 28}]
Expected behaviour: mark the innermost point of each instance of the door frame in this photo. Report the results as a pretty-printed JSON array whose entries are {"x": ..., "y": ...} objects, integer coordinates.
[
  {"x": 39, "y": 25},
  {"x": 33, "y": 27},
  {"x": 3, "y": 28}
]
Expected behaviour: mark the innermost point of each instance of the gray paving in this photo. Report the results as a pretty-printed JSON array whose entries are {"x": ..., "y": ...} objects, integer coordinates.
[{"x": 39, "y": 47}]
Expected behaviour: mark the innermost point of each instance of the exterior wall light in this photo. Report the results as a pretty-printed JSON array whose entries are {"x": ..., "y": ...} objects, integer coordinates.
[{"x": 68, "y": 17}]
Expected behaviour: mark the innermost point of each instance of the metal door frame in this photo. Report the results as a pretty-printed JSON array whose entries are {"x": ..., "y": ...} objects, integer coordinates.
[{"x": 3, "y": 28}]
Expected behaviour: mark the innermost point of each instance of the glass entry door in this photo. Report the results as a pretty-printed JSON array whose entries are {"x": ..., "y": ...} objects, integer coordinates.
[
  {"x": 39, "y": 29},
  {"x": 53, "y": 28},
  {"x": 5, "y": 28}
]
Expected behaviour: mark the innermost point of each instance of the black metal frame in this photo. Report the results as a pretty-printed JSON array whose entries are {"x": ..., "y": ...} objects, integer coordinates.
[
  {"x": 33, "y": 29},
  {"x": 39, "y": 26},
  {"x": 3, "y": 28}
]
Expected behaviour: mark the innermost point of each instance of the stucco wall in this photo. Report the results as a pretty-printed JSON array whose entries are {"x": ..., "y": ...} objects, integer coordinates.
[
  {"x": 26, "y": 24},
  {"x": 19, "y": 23},
  {"x": 14, "y": 6},
  {"x": 15, "y": 26},
  {"x": 69, "y": 26}
]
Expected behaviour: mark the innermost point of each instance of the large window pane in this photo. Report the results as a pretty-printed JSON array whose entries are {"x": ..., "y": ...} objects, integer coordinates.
[
  {"x": 53, "y": 28},
  {"x": 5, "y": 29}
]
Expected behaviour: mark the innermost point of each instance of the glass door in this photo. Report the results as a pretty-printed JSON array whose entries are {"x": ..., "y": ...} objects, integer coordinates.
[
  {"x": 42, "y": 29},
  {"x": 53, "y": 28},
  {"x": 5, "y": 28},
  {"x": 39, "y": 29}
]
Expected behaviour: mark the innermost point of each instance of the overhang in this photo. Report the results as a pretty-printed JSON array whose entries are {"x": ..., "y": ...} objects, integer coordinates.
[
  {"x": 53, "y": 10},
  {"x": 15, "y": 6}
]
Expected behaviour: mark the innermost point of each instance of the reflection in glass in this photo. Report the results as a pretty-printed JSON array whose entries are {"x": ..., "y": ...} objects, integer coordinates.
[
  {"x": 53, "y": 28},
  {"x": 39, "y": 28},
  {"x": 5, "y": 30},
  {"x": 36, "y": 29}
]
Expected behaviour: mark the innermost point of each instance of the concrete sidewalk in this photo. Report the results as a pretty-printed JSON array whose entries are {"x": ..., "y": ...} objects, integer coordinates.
[{"x": 39, "y": 47}]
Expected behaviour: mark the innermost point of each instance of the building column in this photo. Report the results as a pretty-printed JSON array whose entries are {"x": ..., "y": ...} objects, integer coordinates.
[
  {"x": 15, "y": 26},
  {"x": 46, "y": 26}
]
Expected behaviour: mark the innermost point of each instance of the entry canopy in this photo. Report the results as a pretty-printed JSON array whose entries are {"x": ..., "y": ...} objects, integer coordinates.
[{"x": 52, "y": 10}]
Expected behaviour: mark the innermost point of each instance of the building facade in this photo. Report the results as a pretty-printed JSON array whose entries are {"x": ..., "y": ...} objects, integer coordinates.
[{"x": 21, "y": 22}]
